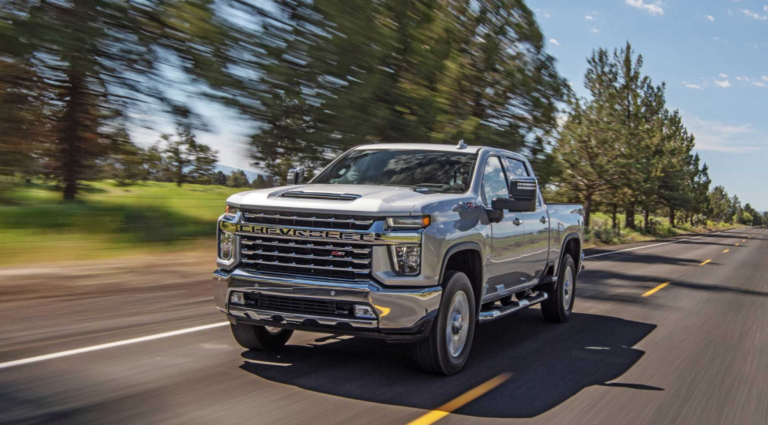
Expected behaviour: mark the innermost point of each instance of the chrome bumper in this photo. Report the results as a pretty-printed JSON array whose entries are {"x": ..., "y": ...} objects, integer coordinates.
[{"x": 398, "y": 310}]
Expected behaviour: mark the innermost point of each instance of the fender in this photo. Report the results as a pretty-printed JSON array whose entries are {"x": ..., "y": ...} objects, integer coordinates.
[
  {"x": 562, "y": 251},
  {"x": 461, "y": 246}
]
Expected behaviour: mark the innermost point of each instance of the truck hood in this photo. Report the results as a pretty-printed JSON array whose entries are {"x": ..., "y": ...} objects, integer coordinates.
[{"x": 368, "y": 200}]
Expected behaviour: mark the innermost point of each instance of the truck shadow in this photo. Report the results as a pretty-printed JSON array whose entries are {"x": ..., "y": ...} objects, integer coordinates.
[{"x": 548, "y": 363}]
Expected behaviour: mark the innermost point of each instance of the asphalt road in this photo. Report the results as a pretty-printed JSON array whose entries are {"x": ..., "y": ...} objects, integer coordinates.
[{"x": 693, "y": 351}]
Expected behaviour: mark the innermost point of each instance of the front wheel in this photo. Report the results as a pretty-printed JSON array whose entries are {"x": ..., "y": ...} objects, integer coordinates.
[
  {"x": 260, "y": 338},
  {"x": 558, "y": 307},
  {"x": 446, "y": 349}
]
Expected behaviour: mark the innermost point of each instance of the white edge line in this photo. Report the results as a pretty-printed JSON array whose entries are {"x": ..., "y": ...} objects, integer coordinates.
[
  {"x": 29, "y": 360},
  {"x": 651, "y": 246}
]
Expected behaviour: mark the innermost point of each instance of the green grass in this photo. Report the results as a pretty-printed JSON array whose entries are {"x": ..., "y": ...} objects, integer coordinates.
[{"x": 107, "y": 220}]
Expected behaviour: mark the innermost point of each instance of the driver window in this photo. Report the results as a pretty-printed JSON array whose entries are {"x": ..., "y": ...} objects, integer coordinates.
[{"x": 494, "y": 181}]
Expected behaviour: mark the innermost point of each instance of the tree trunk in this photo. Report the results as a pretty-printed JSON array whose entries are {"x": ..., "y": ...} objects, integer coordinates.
[
  {"x": 672, "y": 217},
  {"x": 630, "y": 218},
  {"x": 647, "y": 220},
  {"x": 587, "y": 210},
  {"x": 70, "y": 137},
  {"x": 615, "y": 218}
]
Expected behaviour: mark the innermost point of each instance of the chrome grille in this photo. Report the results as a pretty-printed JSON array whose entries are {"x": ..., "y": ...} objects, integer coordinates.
[
  {"x": 331, "y": 259},
  {"x": 309, "y": 220}
]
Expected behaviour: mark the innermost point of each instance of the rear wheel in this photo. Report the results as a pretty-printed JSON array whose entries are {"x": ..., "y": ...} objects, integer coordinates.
[
  {"x": 559, "y": 304},
  {"x": 446, "y": 349},
  {"x": 260, "y": 338}
]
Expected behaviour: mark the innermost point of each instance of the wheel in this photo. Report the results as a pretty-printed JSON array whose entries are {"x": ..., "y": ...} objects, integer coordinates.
[
  {"x": 260, "y": 338},
  {"x": 446, "y": 349},
  {"x": 559, "y": 304}
]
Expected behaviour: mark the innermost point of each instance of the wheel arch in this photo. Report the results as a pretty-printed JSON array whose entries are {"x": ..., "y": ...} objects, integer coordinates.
[{"x": 466, "y": 257}]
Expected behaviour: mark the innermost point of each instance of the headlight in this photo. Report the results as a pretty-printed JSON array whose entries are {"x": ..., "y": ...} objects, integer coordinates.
[
  {"x": 418, "y": 222},
  {"x": 226, "y": 241},
  {"x": 407, "y": 259}
]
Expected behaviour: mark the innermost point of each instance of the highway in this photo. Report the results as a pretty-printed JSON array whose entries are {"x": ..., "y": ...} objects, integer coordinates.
[{"x": 668, "y": 332}]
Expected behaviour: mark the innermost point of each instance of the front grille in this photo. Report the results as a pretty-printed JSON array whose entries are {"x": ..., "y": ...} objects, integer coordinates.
[
  {"x": 309, "y": 220},
  {"x": 280, "y": 304},
  {"x": 330, "y": 259}
]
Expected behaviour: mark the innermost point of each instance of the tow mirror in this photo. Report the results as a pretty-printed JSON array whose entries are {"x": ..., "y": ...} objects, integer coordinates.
[
  {"x": 295, "y": 176},
  {"x": 522, "y": 196},
  {"x": 522, "y": 188}
]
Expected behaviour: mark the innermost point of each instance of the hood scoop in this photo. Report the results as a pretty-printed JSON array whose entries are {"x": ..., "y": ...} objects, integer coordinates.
[{"x": 321, "y": 195}]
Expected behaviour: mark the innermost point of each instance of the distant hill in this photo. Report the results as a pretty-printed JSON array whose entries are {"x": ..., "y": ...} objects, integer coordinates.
[{"x": 228, "y": 170}]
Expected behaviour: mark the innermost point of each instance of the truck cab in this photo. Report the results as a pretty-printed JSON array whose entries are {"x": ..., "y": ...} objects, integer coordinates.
[{"x": 410, "y": 243}]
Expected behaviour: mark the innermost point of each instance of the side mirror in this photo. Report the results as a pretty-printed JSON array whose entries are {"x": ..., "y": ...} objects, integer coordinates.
[
  {"x": 295, "y": 176},
  {"x": 523, "y": 188},
  {"x": 522, "y": 196}
]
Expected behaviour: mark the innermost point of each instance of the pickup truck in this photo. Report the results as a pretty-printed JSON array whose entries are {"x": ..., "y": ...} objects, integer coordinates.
[{"x": 409, "y": 243}]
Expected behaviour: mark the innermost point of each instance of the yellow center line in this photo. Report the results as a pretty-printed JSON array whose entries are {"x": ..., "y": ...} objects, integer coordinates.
[
  {"x": 737, "y": 245},
  {"x": 447, "y": 408},
  {"x": 726, "y": 251},
  {"x": 656, "y": 289},
  {"x": 705, "y": 262},
  {"x": 743, "y": 240}
]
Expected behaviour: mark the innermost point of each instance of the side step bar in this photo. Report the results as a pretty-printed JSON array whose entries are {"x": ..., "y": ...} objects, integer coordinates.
[{"x": 489, "y": 316}]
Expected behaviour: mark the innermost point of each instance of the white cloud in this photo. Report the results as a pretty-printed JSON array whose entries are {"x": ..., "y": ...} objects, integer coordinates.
[
  {"x": 723, "y": 84},
  {"x": 723, "y": 75},
  {"x": 544, "y": 13},
  {"x": 724, "y": 137},
  {"x": 763, "y": 85},
  {"x": 553, "y": 41},
  {"x": 710, "y": 18},
  {"x": 754, "y": 15},
  {"x": 765, "y": 8},
  {"x": 764, "y": 78},
  {"x": 743, "y": 79},
  {"x": 595, "y": 30},
  {"x": 693, "y": 86},
  {"x": 653, "y": 9},
  {"x": 719, "y": 39},
  {"x": 589, "y": 18}
]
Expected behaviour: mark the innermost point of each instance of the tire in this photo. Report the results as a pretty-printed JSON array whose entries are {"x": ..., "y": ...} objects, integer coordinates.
[
  {"x": 440, "y": 354},
  {"x": 561, "y": 296},
  {"x": 260, "y": 338}
]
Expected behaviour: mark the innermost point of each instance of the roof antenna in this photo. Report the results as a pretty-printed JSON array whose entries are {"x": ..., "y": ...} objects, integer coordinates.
[{"x": 461, "y": 145}]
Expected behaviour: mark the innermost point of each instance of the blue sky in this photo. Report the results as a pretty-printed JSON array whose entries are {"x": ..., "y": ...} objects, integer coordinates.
[{"x": 713, "y": 55}]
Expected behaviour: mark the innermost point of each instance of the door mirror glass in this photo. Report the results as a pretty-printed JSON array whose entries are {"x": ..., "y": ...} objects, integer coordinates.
[{"x": 295, "y": 176}]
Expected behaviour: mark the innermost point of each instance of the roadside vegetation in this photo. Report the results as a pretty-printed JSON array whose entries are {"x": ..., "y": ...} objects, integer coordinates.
[{"x": 108, "y": 220}]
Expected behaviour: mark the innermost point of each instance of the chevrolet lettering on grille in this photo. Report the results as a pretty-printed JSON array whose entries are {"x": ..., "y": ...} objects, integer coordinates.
[{"x": 306, "y": 233}]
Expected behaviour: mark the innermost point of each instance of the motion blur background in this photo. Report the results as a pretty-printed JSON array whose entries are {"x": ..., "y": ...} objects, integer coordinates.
[{"x": 107, "y": 108}]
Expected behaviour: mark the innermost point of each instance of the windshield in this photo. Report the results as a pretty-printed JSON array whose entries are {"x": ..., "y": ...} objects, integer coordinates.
[{"x": 435, "y": 171}]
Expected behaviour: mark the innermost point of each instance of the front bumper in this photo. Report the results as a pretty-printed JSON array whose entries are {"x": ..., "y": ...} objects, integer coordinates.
[{"x": 402, "y": 313}]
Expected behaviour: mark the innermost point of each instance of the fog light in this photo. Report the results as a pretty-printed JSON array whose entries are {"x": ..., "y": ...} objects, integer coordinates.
[
  {"x": 364, "y": 312},
  {"x": 407, "y": 259},
  {"x": 237, "y": 298}
]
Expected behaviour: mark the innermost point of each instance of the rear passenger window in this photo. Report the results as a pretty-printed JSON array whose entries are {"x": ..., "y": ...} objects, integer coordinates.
[
  {"x": 515, "y": 168},
  {"x": 494, "y": 181}
]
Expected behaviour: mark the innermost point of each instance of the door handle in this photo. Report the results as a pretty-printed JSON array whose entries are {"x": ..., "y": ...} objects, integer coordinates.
[
  {"x": 543, "y": 220},
  {"x": 517, "y": 222}
]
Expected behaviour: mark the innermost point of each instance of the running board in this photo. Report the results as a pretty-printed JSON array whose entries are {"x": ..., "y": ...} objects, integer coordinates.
[{"x": 489, "y": 316}]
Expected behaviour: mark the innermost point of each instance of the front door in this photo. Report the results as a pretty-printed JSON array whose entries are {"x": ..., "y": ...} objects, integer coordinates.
[
  {"x": 536, "y": 245},
  {"x": 504, "y": 271}
]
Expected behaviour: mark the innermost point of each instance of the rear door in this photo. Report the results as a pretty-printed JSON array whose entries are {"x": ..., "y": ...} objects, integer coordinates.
[
  {"x": 536, "y": 227},
  {"x": 507, "y": 236}
]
